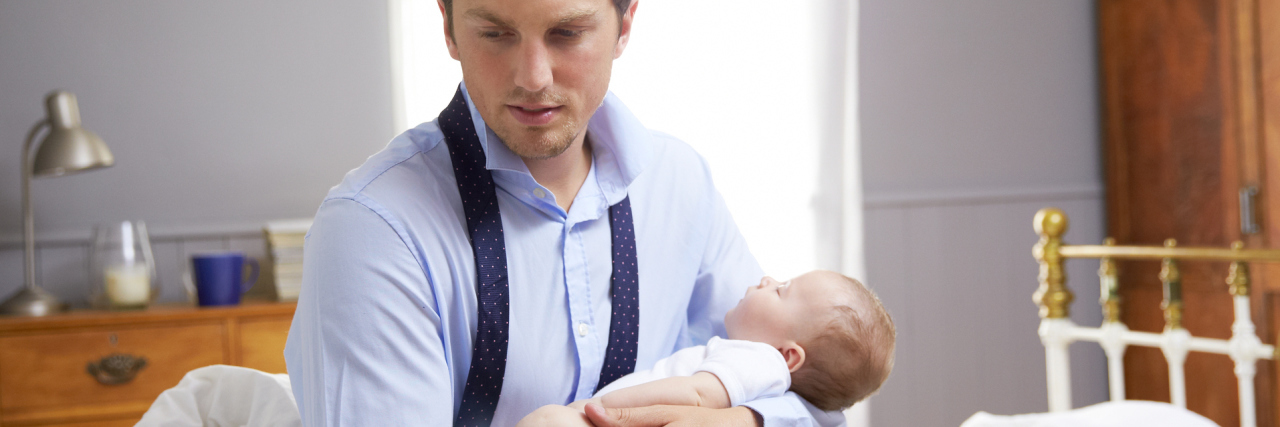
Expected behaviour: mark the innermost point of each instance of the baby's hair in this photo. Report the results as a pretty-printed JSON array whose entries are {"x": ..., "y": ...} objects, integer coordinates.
[{"x": 851, "y": 355}]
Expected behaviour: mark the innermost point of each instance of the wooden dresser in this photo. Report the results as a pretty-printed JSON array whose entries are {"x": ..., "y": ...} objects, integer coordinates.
[{"x": 45, "y": 362}]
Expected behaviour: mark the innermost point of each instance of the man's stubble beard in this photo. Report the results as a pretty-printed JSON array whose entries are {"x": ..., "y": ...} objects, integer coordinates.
[
  {"x": 538, "y": 143},
  {"x": 549, "y": 144}
]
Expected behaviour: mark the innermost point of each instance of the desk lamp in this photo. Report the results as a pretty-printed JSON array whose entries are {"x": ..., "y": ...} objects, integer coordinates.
[{"x": 65, "y": 149}]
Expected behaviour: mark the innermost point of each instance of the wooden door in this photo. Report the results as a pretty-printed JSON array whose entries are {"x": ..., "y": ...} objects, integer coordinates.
[
  {"x": 1185, "y": 90},
  {"x": 1264, "y": 143}
]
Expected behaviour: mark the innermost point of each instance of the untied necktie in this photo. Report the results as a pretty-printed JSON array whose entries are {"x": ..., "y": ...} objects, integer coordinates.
[{"x": 484, "y": 226}]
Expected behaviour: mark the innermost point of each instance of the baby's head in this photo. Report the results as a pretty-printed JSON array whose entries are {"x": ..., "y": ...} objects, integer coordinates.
[{"x": 835, "y": 335}]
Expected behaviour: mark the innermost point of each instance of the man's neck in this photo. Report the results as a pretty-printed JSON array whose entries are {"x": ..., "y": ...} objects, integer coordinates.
[{"x": 565, "y": 173}]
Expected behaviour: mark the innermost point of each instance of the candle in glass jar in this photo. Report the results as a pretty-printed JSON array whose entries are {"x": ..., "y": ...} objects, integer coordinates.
[{"x": 128, "y": 285}]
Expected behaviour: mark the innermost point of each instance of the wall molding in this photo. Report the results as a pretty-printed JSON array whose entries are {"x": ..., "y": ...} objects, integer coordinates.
[
  {"x": 83, "y": 236},
  {"x": 899, "y": 200}
]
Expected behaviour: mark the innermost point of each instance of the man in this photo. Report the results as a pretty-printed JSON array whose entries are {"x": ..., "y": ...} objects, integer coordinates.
[{"x": 485, "y": 264}]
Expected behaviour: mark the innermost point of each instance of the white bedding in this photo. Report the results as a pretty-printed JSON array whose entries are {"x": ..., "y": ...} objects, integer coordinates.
[
  {"x": 1129, "y": 413},
  {"x": 225, "y": 396}
]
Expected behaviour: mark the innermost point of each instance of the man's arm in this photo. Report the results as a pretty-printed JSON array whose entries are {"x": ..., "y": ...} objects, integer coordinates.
[
  {"x": 365, "y": 344},
  {"x": 700, "y": 389},
  {"x": 671, "y": 415}
]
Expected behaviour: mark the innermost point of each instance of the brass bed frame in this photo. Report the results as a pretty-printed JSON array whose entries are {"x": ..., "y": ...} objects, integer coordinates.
[{"x": 1057, "y": 330}]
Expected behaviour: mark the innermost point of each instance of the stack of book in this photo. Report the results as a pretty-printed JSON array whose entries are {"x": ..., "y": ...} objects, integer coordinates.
[{"x": 284, "y": 244}]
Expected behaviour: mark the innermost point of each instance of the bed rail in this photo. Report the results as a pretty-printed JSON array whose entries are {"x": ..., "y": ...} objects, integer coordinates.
[{"x": 1057, "y": 331}]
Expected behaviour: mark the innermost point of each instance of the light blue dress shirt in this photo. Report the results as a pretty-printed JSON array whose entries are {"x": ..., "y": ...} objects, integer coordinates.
[{"x": 385, "y": 321}]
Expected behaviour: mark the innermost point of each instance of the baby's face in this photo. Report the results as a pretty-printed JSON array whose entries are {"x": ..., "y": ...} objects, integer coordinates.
[{"x": 775, "y": 312}]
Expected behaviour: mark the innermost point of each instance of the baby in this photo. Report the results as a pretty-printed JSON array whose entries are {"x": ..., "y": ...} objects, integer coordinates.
[{"x": 822, "y": 335}]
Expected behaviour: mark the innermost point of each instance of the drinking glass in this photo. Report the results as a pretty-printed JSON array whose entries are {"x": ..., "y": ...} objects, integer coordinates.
[{"x": 123, "y": 268}]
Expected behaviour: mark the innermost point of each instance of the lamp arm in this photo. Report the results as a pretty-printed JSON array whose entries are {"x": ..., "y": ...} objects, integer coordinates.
[{"x": 28, "y": 220}]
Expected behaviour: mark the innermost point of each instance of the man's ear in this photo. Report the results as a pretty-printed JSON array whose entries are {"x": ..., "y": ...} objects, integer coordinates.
[
  {"x": 793, "y": 354},
  {"x": 448, "y": 33},
  {"x": 624, "y": 33}
]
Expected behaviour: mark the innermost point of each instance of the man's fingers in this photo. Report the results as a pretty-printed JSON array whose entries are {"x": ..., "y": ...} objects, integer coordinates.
[
  {"x": 649, "y": 416},
  {"x": 599, "y": 416}
]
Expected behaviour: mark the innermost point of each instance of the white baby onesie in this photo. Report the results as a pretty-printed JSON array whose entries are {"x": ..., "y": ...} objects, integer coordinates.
[{"x": 749, "y": 370}]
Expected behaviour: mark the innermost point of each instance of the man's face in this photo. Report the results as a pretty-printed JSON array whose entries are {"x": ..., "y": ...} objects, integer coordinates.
[{"x": 537, "y": 69}]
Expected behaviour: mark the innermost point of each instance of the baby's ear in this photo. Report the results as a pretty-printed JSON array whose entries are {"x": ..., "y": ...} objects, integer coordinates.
[{"x": 793, "y": 354}]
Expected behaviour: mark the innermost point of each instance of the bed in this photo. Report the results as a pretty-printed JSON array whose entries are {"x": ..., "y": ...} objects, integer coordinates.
[{"x": 1057, "y": 331}]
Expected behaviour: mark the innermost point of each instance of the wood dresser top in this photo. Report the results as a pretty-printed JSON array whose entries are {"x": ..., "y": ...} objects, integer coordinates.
[{"x": 157, "y": 313}]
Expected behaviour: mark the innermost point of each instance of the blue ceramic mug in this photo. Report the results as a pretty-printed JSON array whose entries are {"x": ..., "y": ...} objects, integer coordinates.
[{"x": 219, "y": 277}]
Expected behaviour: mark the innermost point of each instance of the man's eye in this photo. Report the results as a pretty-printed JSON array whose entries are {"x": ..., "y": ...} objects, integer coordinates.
[
  {"x": 491, "y": 34},
  {"x": 566, "y": 33}
]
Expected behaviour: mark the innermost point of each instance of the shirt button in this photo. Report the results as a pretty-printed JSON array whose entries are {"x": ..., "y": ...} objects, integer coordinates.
[
  {"x": 582, "y": 329},
  {"x": 539, "y": 193}
]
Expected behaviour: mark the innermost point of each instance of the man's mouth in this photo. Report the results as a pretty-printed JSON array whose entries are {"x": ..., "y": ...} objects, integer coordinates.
[{"x": 533, "y": 115}]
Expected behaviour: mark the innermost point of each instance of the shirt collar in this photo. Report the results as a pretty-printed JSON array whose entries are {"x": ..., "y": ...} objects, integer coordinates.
[
  {"x": 497, "y": 156},
  {"x": 622, "y": 147},
  {"x": 620, "y": 143}
]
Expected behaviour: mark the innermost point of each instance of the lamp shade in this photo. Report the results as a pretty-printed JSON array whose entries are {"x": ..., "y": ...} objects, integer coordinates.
[{"x": 68, "y": 148}]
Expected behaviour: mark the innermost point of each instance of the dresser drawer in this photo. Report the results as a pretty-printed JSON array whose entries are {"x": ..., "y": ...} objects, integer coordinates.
[
  {"x": 262, "y": 342},
  {"x": 47, "y": 371}
]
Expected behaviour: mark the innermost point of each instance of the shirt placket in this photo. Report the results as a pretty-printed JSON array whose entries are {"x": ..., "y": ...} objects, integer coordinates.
[{"x": 577, "y": 286}]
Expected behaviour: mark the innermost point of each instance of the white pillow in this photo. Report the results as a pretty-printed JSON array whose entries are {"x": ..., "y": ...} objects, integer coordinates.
[{"x": 1129, "y": 413}]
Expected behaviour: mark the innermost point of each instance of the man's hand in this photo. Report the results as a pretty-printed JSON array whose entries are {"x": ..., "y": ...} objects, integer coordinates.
[
  {"x": 675, "y": 416},
  {"x": 554, "y": 416}
]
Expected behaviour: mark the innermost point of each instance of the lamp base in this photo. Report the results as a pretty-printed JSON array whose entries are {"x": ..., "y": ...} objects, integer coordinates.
[{"x": 31, "y": 301}]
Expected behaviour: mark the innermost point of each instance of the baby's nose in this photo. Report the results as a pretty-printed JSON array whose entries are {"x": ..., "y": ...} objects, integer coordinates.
[{"x": 767, "y": 281}]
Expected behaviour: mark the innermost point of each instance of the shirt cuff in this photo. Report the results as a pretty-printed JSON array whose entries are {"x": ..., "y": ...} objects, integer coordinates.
[{"x": 790, "y": 410}]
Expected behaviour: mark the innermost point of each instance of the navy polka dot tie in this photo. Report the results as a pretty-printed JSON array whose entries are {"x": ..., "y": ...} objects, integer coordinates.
[
  {"x": 484, "y": 224},
  {"x": 620, "y": 357}
]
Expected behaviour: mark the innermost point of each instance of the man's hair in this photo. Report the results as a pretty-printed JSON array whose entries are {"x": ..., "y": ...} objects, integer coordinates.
[
  {"x": 620, "y": 5},
  {"x": 851, "y": 356}
]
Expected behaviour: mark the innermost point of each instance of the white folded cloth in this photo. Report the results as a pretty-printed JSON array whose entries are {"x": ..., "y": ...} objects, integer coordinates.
[{"x": 225, "y": 396}]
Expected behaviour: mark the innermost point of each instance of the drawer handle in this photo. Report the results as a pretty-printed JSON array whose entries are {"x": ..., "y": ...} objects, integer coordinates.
[{"x": 116, "y": 369}]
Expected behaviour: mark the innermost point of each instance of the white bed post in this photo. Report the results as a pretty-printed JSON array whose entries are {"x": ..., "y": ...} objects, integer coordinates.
[
  {"x": 1112, "y": 336},
  {"x": 1244, "y": 344},
  {"x": 1175, "y": 341},
  {"x": 1054, "y": 299}
]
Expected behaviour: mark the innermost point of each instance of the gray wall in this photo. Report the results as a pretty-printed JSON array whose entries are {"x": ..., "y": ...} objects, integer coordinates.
[
  {"x": 221, "y": 115},
  {"x": 974, "y": 115}
]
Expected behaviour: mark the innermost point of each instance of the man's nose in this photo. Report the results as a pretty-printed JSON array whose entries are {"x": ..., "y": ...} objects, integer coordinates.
[{"x": 533, "y": 70}]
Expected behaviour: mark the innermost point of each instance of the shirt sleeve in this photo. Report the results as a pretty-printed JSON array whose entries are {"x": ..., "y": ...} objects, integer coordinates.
[
  {"x": 748, "y": 370},
  {"x": 727, "y": 269},
  {"x": 792, "y": 410},
  {"x": 365, "y": 344}
]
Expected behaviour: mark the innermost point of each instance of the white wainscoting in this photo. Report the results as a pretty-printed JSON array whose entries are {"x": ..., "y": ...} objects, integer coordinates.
[
  {"x": 956, "y": 273},
  {"x": 62, "y": 259}
]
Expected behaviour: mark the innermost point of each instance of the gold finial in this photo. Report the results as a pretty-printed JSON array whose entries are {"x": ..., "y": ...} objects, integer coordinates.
[
  {"x": 1110, "y": 292},
  {"x": 1052, "y": 296},
  {"x": 1172, "y": 279},
  {"x": 1238, "y": 274},
  {"x": 1051, "y": 222}
]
